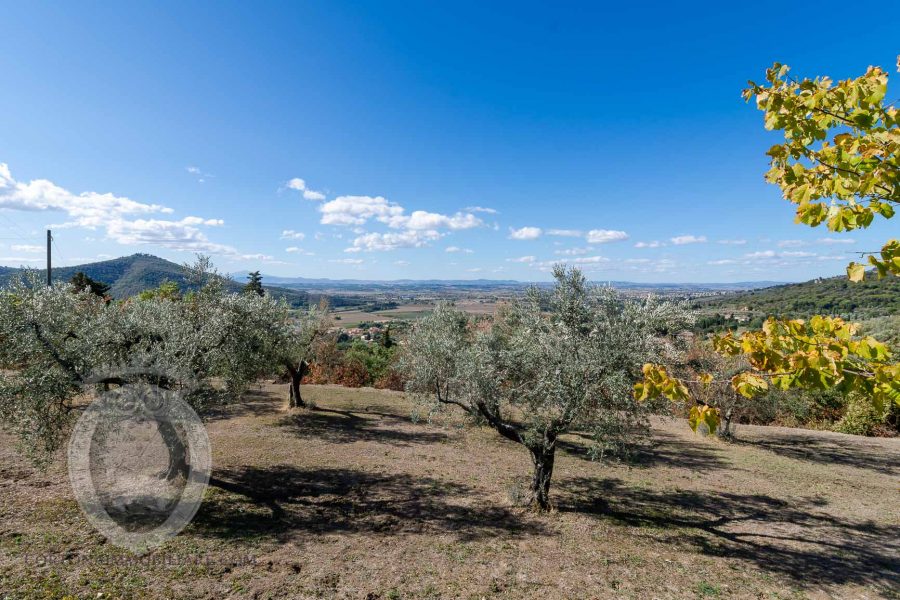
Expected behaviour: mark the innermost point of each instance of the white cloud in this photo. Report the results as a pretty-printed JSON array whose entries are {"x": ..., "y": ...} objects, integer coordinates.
[
  {"x": 681, "y": 240},
  {"x": 653, "y": 244},
  {"x": 18, "y": 260},
  {"x": 94, "y": 210},
  {"x": 772, "y": 258},
  {"x": 182, "y": 235},
  {"x": 525, "y": 233},
  {"x": 825, "y": 240},
  {"x": 401, "y": 263},
  {"x": 262, "y": 257},
  {"x": 733, "y": 242},
  {"x": 586, "y": 263},
  {"x": 761, "y": 254},
  {"x": 290, "y": 234},
  {"x": 590, "y": 260},
  {"x": 199, "y": 174},
  {"x": 347, "y": 261},
  {"x": 421, "y": 219},
  {"x": 724, "y": 261},
  {"x": 88, "y": 209},
  {"x": 604, "y": 236},
  {"x": 453, "y": 249},
  {"x": 356, "y": 210},
  {"x": 574, "y": 251},
  {"x": 482, "y": 209},
  {"x": 475, "y": 270},
  {"x": 565, "y": 232},
  {"x": 771, "y": 254},
  {"x": 299, "y": 185},
  {"x": 637, "y": 261},
  {"x": 522, "y": 259},
  {"x": 391, "y": 241},
  {"x": 27, "y": 248}
]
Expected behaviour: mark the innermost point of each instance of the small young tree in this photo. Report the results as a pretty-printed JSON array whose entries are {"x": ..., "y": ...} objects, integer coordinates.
[
  {"x": 550, "y": 364},
  {"x": 254, "y": 284},
  {"x": 386, "y": 340},
  {"x": 167, "y": 290},
  {"x": 82, "y": 282}
]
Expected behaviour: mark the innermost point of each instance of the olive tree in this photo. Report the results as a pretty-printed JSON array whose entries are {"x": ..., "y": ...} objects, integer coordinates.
[
  {"x": 60, "y": 342},
  {"x": 296, "y": 351},
  {"x": 550, "y": 363}
]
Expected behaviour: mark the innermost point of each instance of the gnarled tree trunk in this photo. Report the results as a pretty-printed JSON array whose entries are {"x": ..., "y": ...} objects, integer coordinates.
[
  {"x": 297, "y": 372},
  {"x": 178, "y": 451},
  {"x": 542, "y": 458}
]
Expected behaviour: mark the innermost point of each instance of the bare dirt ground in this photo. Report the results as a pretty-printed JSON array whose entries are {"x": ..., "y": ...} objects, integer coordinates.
[{"x": 355, "y": 500}]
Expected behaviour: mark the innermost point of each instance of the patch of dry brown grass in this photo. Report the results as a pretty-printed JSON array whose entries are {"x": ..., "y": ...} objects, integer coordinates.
[{"x": 355, "y": 500}]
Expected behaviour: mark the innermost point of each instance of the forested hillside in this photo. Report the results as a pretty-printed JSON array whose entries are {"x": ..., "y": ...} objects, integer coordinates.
[
  {"x": 836, "y": 295},
  {"x": 875, "y": 303},
  {"x": 130, "y": 275}
]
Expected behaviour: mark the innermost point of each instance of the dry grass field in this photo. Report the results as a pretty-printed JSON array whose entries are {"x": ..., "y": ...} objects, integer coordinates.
[
  {"x": 409, "y": 312},
  {"x": 353, "y": 499}
]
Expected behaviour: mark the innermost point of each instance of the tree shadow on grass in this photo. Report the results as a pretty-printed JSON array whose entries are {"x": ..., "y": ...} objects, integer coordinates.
[
  {"x": 660, "y": 450},
  {"x": 830, "y": 450},
  {"x": 345, "y": 427},
  {"x": 282, "y": 502},
  {"x": 252, "y": 403},
  {"x": 794, "y": 538}
]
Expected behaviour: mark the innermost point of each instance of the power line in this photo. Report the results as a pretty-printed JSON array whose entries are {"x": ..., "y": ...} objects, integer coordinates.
[
  {"x": 56, "y": 248},
  {"x": 14, "y": 225}
]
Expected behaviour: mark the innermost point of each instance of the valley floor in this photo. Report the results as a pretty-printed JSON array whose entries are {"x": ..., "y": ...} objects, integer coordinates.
[{"x": 354, "y": 499}]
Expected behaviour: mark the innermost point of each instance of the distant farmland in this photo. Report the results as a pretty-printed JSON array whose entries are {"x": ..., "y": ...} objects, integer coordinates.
[{"x": 409, "y": 312}]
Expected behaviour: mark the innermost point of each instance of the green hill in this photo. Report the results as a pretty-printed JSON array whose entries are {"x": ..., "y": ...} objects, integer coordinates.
[
  {"x": 874, "y": 302},
  {"x": 130, "y": 275},
  {"x": 834, "y": 296}
]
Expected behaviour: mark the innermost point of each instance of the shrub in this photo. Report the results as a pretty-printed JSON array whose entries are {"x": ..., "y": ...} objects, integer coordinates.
[{"x": 861, "y": 417}]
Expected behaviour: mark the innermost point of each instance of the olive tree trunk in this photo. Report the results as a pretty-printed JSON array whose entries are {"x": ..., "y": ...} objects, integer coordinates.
[
  {"x": 297, "y": 372},
  {"x": 542, "y": 458},
  {"x": 725, "y": 431},
  {"x": 178, "y": 451}
]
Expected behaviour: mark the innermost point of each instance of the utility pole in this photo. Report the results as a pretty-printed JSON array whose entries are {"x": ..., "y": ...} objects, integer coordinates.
[{"x": 49, "y": 265}]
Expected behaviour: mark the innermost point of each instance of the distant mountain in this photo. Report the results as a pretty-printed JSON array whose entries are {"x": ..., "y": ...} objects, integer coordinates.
[
  {"x": 325, "y": 283},
  {"x": 833, "y": 296},
  {"x": 130, "y": 275}
]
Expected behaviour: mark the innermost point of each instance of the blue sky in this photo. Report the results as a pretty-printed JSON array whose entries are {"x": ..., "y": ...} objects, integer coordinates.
[{"x": 415, "y": 140}]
